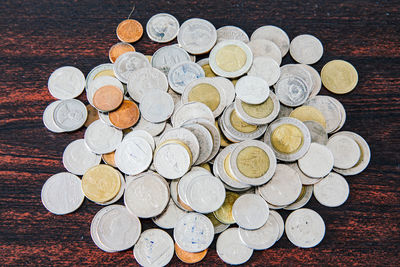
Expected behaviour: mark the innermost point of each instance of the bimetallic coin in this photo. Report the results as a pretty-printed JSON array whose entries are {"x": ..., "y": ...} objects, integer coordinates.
[
  {"x": 77, "y": 158},
  {"x": 152, "y": 128},
  {"x": 197, "y": 36},
  {"x": 280, "y": 222},
  {"x": 274, "y": 34},
  {"x": 204, "y": 63},
  {"x": 156, "y": 106},
  {"x": 181, "y": 74},
  {"x": 66, "y": 83},
  {"x": 133, "y": 155},
  {"x": 265, "y": 67},
  {"x": 118, "y": 49},
  {"x": 345, "y": 150},
  {"x": 306, "y": 49},
  {"x": 308, "y": 113},
  {"x": 205, "y": 140},
  {"x": 189, "y": 111},
  {"x": 48, "y": 117},
  {"x": 170, "y": 216},
  {"x": 194, "y": 232},
  {"x": 189, "y": 257},
  {"x": 231, "y": 249},
  {"x": 129, "y": 30},
  {"x": 250, "y": 211},
  {"x": 317, "y": 132},
  {"x": 231, "y": 33},
  {"x": 167, "y": 56},
  {"x": 329, "y": 109},
  {"x": 127, "y": 63},
  {"x": 230, "y": 58},
  {"x": 265, "y": 48},
  {"x": 172, "y": 159},
  {"x": 302, "y": 200},
  {"x": 125, "y": 116},
  {"x": 224, "y": 213},
  {"x": 101, "y": 70},
  {"x": 332, "y": 191},
  {"x": 317, "y": 162},
  {"x": 144, "y": 80},
  {"x": 262, "y": 238},
  {"x": 339, "y": 76},
  {"x": 101, "y": 138},
  {"x": 305, "y": 228},
  {"x": 162, "y": 27},
  {"x": 62, "y": 193},
  {"x": 252, "y": 90},
  {"x": 70, "y": 115},
  {"x": 155, "y": 247}
]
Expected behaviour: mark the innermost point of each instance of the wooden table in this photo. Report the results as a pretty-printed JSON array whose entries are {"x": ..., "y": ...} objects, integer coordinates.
[{"x": 39, "y": 36}]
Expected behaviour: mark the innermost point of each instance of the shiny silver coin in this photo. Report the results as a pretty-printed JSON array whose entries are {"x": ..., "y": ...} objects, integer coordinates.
[
  {"x": 189, "y": 111},
  {"x": 332, "y": 191},
  {"x": 279, "y": 220},
  {"x": 302, "y": 200},
  {"x": 306, "y": 49},
  {"x": 133, "y": 155},
  {"x": 70, "y": 115},
  {"x": 231, "y": 33},
  {"x": 170, "y": 216},
  {"x": 78, "y": 158},
  {"x": 317, "y": 131},
  {"x": 156, "y": 106},
  {"x": 99, "y": 82},
  {"x": 127, "y": 63},
  {"x": 205, "y": 140},
  {"x": 231, "y": 249},
  {"x": 66, "y": 83},
  {"x": 263, "y": 237},
  {"x": 265, "y": 48},
  {"x": 172, "y": 160},
  {"x": 197, "y": 36},
  {"x": 345, "y": 150},
  {"x": 317, "y": 162},
  {"x": 152, "y": 128},
  {"x": 265, "y": 67},
  {"x": 252, "y": 90},
  {"x": 274, "y": 34},
  {"x": 101, "y": 138},
  {"x": 250, "y": 211},
  {"x": 329, "y": 109},
  {"x": 162, "y": 27},
  {"x": 167, "y": 56},
  {"x": 48, "y": 118},
  {"x": 181, "y": 74}
]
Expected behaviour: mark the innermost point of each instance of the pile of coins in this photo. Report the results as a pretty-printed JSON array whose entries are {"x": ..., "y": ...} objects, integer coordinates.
[{"x": 199, "y": 147}]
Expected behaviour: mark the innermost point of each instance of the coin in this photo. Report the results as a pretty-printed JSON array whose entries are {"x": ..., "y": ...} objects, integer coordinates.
[
  {"x": 62, "y": 193},
  {"x": 332, "y": 191},
  {"x": 185, "y": 181},
  {"x": 205, "y": 140},
  {"x": 231, "y": 249},
  {"x": 316, "y": 80},
  {"x": 305, "y": 180},
  {"x": 100, "y": 82},
  {"x": 101, "y": 138},
  {"x": 265, "y": 48},
  {"x": 188, "y": 36},
  {"x": 162, "y": 27},
  {"x": 172, "y": 160},
  {"x": 155, "y": 247},
  {"x": 129, "y": 30},
  {"x": 104, "y": 118},
  {"x": 191, "y": 110},
  {"x": 339, "y": 76},
  {"x": 156, "y": 106},
  {"x": 146, "y": 79},
  {"x": 283, "y": 188},
  {"x": 174, "y": 194},
  {"x": 317, "y": 162},
  {"x": 252, "y": 90},
  {"x": 194, "y": 232},
  {"x": 262, "y": 238},
  {"x": 108, "y": 98},
  {"x": 265, "y": 67},
  {"x": 274, "y": 34},
  {"x": 224, "y": 213},
  {"x": 317, "y": 132},
  {"x": 305, "y": 228},
  {"x": 125, "y": 116},
  {"x": 345, "y": 150},
  {"x": 133, "y": 155},
  {"x": 306, "y": 49},
  {"x": 230, "y": 58},
  {"x": 250, "y": 211},
  {"x": 231, "y": 33},
  {"x": 101, "y": 183},
  {"x": 119, "y": 195},
  {"x": 170, "y": 216},
  {"x": 228, "y": 88},
  {"x": 93, "y": 229},
  {"x": 77, "y": 158},
  {"x": 92, "y": 115},
  {"x": 48, "y": 117},
  {"x": 167, "y": 56},
  {"x": 66, "y": 83},
  {"x": 181, "y": 74},
  {"x": 127, "y": 63},
  {"x": 302, "y": 200},
  {"x": 143, "y": 134},
  {"x": 70, "y": 115},
  {"x": 284, "y": 111},
  {"x": 109, "y": 158},
  {"x": 279, "y": 220},
  {"x": 118, "y": 49},
  {"x": 152, "y": 128},
  {"x": 342, "y": 114},
  {"x": 204, "y": 63},
  {"x": 189, "y": 257},
  {"x": 308, "y": 113}
]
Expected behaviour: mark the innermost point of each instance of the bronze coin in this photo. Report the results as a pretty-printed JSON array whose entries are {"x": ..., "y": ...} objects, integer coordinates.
[
  {"x": 93, "y": 115},
  {"x": 189, "y": 257},
  {"x": 109, "y": 158},
  {"x": 108, "y": 98},
  {"x": 119, "y": 49},
  {"x": 129, "y": 30},
  {"x": 125, "y": 116}
]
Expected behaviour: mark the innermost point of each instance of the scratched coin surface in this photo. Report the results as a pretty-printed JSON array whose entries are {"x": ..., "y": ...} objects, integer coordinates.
[
  {"x": 317, "y": 162},
  {"x": 156, "y": 106},
  {"x": 345, "y": 150},
  {"x": 197, "y": 36},
  {"x": 70, "y": 114},
  {"x": 250, "y": 211},
  {"x": 332, "y": 191},
  {"x": 133, "y": 155},
  {"x": 167, "y": 56},
  {"x": 231, "y": 33}
]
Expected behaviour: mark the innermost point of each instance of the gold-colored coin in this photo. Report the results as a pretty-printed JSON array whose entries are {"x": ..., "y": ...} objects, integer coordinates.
[
  {"x": 105, "y": 73},
  {"x": 253, "y": 162},
  {"x": 224, "y": 142},
  {"x": 228, "y": 169},
  {"x": 101, "y": 183},
  {"x": 224, "y": 213},
  {"x": 206, "y": 94},
  {"x": 241, "y": 125},
  {"x": 308, "y": 113},
  {"x": 231, "y": 58},
  {"x": 339, "y": 76},
  {"x": 208, "y": 71},
  {"x": 259, "y": 111},
  {"x": 206, "y": 166},
  {"x": 287, "y": 138}
]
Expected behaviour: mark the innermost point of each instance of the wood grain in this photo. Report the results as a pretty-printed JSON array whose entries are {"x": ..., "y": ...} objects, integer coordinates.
[{"x": 39, "y": 36}]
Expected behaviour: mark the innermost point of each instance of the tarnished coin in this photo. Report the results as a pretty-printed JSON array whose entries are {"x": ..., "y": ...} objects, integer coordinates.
[
  {"x": 156, "y": 106},
  {"x": 101, "y": 138},
  {"x": 345, "y": 150},
  {"x": 279, "y": 220},
  {"x": 231, "y": 249},
  {"x": 66, "y": 83},
  {"x": 92, "y": 116},
  {"x": 252, "y": 90},
  {"x": 224, "y": 213},
  {"x": 125, "y": 116},
  {"x": 127, "y": 63},
  {"x": 194, "y": 232},
  {"x": 306, "y": 49},
  {"x": 181, "y": 74},
  {"x": 155, "y": 247},
  {"x": 205, "y": 140},
  {"x": 329, "y": 109},
  {"x": 152, "y": 128},
  {"x": 302, "y": 200},
  {"x": 77, "y": 158},
  {"x": 162, "y": 27},
  {"x": 170, "y": 216},
  {"x": 197, "y": 36},
  {"x": 147, "y": 196},
  {"x": 133, "y": 155},
  {"x": 250, "y": 211},
  {"x": 274, "y": 34},
  {"x": 167, "y": 56},
  {"x": 172, "y": 159},
  {"x": 231, "y": 33},
  {"x": 308, "y": 113},
  {"x": 143, "y": 134},
  {"x": 189, "y": 257},
  {"x": 70, "y": 115},
  {"x": 118, "y": 49},
  {"x": 316, "y": 80},
  {"x": 332, "y": 191},
  {"x": 144, "y": 80},
  {"x": 305, "y": 228},
  {"x": 317, "y": 132},
  {"x": 265, "y": 48},
  {"x": 62, "y": 193},
  {"x": 317, "y": 162},
  {"x": 129, "y": 30},
  {"x": 48, "y": 117},
  {"x": 339, "y": 76},
  {"x": 230, "y": 58},
  {"x": 262, "y": 238},
  {"x": 191, "y": 110},
  {"x": 265, "y": 67},
  {"x": 100, "y": 82}
]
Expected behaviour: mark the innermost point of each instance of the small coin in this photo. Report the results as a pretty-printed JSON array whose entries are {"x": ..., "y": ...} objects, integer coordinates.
[
  {"x": 280, "y": 222},
  {"x": 100, "y": 82},
  {"x": 274, "y": 34},
  {"x": 339, "y": 76},
  {"x": 129, "y": 30},
  {"x": 191, "y": 110},
  {"x": 167, "y": 56},
  {"x": 172, "y": 160},
  {"x": 133, "y": 155},
  {"x": 48, "y": 117},
  {"x": 265, "y": 48},
  {"x": 181, "y": 74},
  {"x": 308, "y": 113},
  {"x": 62, "y": 193},
  {"x": 162, "y": 27},
  {"x": 317, "y": 132},
  {"x": 252, "y": 90},
  {"x": 305, "y": 228},
  {"x": 152, "y": 128},
  {"x": 101, "y": 138},
  {"x": 188, "y": 36},
  {"x": 156, "y": 106},
  {"x": 170, "y": 216},
  {"x": 92, "y": 115},
  {"x": 262, "y": 238},
  {"x": 109, "y": 158},
  {"x": 224, "y": 213},
  {"x": 66, "y": 83},
  {"x": 231, "y": 249},
  {"x": 302, "y": 200},
  {"x": 250, "y": 211},
  {"x": 265, "y": 67},
  {"x": 125, "y": 116},
  {"x": 345, "y": 150},
  {"x": 329, "y": 109},
  {"x": 306, "y": 49},
  {"x": 70, "y": 115},
  {"x": 155, "y": 247},
  {"x": 118, "y": 49},
  {"x": 317, "y": 162},
  {"x": 77, "y": 158},
  {"x": 332, "y": 191},
  {"x": 127, "y": 63},
  {"x": 108, "y": 98},
  {"x": 189, "y": 257}
]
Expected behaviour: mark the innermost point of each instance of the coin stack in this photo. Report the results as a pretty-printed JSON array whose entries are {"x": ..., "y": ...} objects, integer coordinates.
[{"x": 216, "y": 146}]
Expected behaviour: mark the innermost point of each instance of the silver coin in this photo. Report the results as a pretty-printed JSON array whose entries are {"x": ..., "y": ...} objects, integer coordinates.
[
  {"x": 305, "y": 180},
  {"x": 77, "y": 158},
  {"x": 181, "y": 74},
  {"x": 186, "y": 180},
  {"x": 316, "y": 80},
  {"x": 205, "y": 141},
  {"x": 252, "y": 90},
  {"x": 119, "y": 195},
  {"x": 332, "y": 191},
  {"x": 305, "y": 228},
  {"x": 329, "y": 109},
  {"x": 192, "y": 57},
  {"x": 133, "y": 155},
  {"x": 155, "y": 247},
  {"x": 265, "y": 67},
  {"x": 250, "y": 211},
  {"x": 144, "y": 80},
  {"x": 62, "y": 193},
  {"x": 93, "y": 229},
  {"x": 228, "y": 88},
  {"x": 284, "y": 187},
  {"x": 48, "y": 117},
  {"x": 99, "y": 82},
  {"x": 192, "y": 110},
  {"x": 317, "y": 131},
  {"x": 93, "y": 74},
  {"x": 143, "y": 134},
  {"x": 162, "y": 27},
  {"x": 274, "y": 34},
  {"x": 194, "y": 232},
  {"x": 101, "y": 138},
  {"x": 279, "y": 220},
  {"x": 66, "y": 83},
  {"x": 231, "y": 67},
  {"x": 170, "y": 216},
  {"x": 152, "y": 128},
  {"x": 342, "y": 114},
  {"x": 167, "y": 56},
  {"x": 105, "y": 118},
  {"x": 172, "y": 160},
  {"x": 218, "y": 226},
  {"x": 174, "y": 194},
  {"x": 345, "y": 150},
  {"x": 364, "y": 158},
  {"x": 231, "y": 249},
  {"x": 302, "y": 200},
  {"x": 156, "y": 106},
  {"x": 231, "y": 33},
  {"x": 306, "y": 49},
  {"x": 317, "y": 162},
  {"x": 197, "y": 36},
  {"x": 284, "y": 111},
  {"x": 265, "y": 48},
  {"x": 70, "y": 115},
  {"x": 147, "y": 196},
  {"x": 127, "y": 63},
  {"x": 261, "y": 238}
]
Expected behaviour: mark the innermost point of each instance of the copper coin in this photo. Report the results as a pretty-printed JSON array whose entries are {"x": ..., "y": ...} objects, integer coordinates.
[
  {"x": 125, "y": 116},
  {"x": 109, "y": 158},
  {"x": 107, "y": 98},
  {"x": 189, "y": 257},
  {"x": 119, "y": 49},
  {"x": 129, "y": 30},
  {"x": 92, "y": 116}
]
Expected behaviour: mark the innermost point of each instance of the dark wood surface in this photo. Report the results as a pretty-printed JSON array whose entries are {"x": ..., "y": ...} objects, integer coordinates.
[{"x": 39, "y": 36}]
